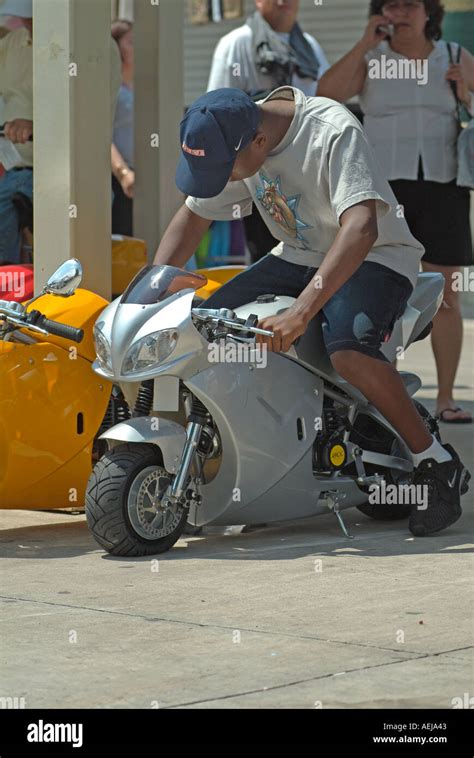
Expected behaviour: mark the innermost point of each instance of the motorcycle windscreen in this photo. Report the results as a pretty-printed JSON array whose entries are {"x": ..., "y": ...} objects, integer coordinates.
[{"x": 156, "y": 283}]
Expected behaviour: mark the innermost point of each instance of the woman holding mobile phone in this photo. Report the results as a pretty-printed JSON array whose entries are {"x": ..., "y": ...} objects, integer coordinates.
[{"x": 412, "y": 123}]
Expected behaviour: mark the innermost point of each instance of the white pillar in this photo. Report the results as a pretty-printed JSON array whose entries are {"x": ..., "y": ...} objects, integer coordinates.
[
  {"x": 72, "y": 137},
  {"x": 159, "y": 103}
]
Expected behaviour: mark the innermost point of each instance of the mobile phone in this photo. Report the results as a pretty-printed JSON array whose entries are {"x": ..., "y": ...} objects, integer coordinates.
[{"x": 387, "y": 29}]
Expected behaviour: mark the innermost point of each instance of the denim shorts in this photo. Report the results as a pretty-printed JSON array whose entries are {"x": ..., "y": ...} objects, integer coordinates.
[{"x": 359, "y": 316}]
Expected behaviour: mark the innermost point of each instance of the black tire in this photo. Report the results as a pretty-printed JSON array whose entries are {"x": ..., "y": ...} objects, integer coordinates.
[
  {"x": 107, "y": 501},
  {"x": 395, "y": 512}
]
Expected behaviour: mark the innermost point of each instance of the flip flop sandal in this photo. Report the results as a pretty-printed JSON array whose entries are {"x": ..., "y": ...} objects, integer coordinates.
[{"x": 440, "y": 417}]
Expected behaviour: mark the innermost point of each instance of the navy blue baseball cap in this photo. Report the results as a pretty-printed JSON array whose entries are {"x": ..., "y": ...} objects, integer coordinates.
[{"x": 215, "y": 128}]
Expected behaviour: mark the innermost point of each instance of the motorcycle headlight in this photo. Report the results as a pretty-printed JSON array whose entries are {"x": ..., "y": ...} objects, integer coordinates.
[
  {"x": 102, "y": 349},
  {"x": 150, "y": 351}
]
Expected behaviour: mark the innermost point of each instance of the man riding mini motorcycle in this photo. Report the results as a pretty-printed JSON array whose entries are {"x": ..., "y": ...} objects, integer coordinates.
[{"x": 345, "y": 249}]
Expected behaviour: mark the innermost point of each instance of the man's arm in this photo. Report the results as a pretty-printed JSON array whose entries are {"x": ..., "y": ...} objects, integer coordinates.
[
  {"x": 353, "y": 242},
  {"x": 180, "y": 240}
]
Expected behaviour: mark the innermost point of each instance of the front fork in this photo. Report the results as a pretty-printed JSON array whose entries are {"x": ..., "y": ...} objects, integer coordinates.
[{"x": 197, "y": 420}]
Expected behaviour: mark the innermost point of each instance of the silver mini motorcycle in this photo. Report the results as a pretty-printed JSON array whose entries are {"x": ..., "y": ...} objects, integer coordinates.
[{"x": 222, "y": 432}]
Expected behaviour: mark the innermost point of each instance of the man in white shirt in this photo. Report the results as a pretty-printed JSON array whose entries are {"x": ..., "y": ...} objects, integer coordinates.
[
  {"x": 237, "y": 62},
  {"x": 268, "y": 51}
]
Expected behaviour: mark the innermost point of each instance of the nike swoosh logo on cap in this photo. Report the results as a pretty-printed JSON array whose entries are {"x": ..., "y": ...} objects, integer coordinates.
[{"x": 238, "y": 146}]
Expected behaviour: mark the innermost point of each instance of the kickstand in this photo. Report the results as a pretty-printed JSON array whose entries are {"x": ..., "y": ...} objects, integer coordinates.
[
  {"x": 333, "y": 504},
  {"x": 342, "y": 525}
]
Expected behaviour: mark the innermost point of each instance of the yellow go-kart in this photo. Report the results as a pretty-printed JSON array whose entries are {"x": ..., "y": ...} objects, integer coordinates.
[{"x": 53, "y": 407}]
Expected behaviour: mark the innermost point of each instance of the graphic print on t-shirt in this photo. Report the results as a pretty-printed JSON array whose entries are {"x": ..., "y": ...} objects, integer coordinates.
[{"x": 282, "y": 209}]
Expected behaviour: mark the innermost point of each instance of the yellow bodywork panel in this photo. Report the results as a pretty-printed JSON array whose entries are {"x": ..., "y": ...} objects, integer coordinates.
[
  {"x": 80, "y": 310},
  {"x": 216, "y": 277},
  {"x": 129, "y": 255},
  {"x": 51, "y": 406}
]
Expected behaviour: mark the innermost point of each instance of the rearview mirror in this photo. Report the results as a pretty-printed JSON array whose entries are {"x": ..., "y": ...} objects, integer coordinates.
[{"x": 65, "y": 280}]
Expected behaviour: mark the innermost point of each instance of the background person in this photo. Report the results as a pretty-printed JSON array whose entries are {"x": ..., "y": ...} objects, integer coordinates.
[
  {"x": 413, "y": 129},
  {"x": 16, "y": 89},
  {"x": 123, "y": 175},
  {"x": 241, "y": 60}
]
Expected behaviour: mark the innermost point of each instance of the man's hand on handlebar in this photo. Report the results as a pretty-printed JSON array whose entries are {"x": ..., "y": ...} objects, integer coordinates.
[
  {"x": 286, "y": 328},
  {"x": 226, "y": 318},
  {"x": 20, "y": 130}
]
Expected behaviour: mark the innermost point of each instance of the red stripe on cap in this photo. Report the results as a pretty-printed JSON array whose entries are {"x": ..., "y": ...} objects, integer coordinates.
[{"x": 200, "y": 153}]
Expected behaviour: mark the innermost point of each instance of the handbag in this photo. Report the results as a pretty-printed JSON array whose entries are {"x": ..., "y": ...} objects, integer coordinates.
[{"x": 465, "y": 143}]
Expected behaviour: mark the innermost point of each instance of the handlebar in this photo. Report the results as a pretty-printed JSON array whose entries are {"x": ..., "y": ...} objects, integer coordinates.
[
  {"x": 55, "y": 328},
  {"x": 16, "y": 315},
  {"x": 62, "y": 330},
  {"x": 231, "y": 321}
]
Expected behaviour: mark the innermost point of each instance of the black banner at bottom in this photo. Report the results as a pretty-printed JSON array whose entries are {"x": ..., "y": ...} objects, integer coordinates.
[{"x": 319, "y": 731}]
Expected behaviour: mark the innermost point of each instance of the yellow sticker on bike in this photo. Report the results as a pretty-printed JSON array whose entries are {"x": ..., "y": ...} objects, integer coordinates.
[{"x": 337, "y": 455}]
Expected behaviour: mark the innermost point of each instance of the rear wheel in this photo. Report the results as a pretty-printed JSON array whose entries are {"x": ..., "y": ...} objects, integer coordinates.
[
  {"x": 123, "y": 502},
  {"x": 369, "y": 435}
]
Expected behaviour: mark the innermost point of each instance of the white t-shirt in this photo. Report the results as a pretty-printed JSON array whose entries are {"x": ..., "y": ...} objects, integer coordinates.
[
  {"x": 405, "y": 120},
  {"x": 323, "y": 165},
  {"x": 233, "y": 64}
]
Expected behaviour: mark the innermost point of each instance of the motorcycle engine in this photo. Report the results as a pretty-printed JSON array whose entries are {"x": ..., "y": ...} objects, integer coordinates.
[{"x": 329, "y": 449}]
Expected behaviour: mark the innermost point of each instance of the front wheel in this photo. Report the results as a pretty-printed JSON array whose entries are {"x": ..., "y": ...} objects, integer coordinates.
[{"x": 123, "y": 500}]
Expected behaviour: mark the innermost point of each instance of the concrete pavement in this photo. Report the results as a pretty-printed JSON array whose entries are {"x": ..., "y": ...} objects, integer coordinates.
[{"x": 294, "y": 616}]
